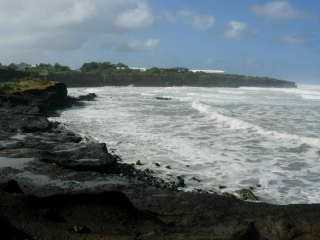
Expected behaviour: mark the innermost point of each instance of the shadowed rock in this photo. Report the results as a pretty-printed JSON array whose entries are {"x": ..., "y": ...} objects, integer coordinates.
[
  {"x": 82, "y": 157},
  {"x": 88, "y": 97},
  {"x": 10, "y": 232},
  {"x": 11, "y": 186}
]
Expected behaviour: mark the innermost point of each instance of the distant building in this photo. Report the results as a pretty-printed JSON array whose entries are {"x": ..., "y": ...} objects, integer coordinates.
[
  {"x": 208, "y": 71},
  {"x": 142, "y": 69},
  {"x": 139, "y": 68}
]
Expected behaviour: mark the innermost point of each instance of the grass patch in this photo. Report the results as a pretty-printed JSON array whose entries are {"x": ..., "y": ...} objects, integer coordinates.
[{"x": 25, "y": 85}]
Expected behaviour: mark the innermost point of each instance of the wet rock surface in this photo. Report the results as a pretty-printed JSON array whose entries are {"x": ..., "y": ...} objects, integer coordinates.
[{"x": 56, "y": 184}]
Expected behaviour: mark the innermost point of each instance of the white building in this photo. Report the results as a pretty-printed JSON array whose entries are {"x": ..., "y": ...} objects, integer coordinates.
[
  {"x": 208, "y": 71},
  {"x": 139, "y": 68}
]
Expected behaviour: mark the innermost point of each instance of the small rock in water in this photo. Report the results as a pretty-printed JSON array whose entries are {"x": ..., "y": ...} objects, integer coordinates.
[
  {"x": 222, "y": 187},
  {"x": 247, "y": 195},
  {"x": 168, "y": 167},
  {"x": 139, "y": 163},
  {"x": 88, "y": 97},
  {"x": 157, "y": 164},
  {"x": 181, "y": 182},
  {"x": 196, "y": 179},
  {"x": 163, "y": 98}
]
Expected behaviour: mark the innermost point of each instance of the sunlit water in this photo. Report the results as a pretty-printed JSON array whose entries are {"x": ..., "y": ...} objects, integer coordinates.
[{"x": 247, "y": 137}]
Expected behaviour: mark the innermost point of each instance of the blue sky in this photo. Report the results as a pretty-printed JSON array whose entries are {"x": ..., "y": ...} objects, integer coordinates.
[{"x": 276, "y": 38}]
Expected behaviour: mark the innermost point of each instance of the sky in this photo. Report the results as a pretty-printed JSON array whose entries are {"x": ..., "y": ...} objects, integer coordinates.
[{"x": 276, "y": 38}]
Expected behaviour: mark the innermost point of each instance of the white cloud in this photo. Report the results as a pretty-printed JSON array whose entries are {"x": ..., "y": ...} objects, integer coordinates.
[
  {"x": 136, "y": 45},
  {"x": 236, "y": 30},
  {"x": 138, "y": 17},
  {"x": 198, "y": 21},
  {"x": 38, "y": 27},
  {"x": 278, "y": 9},
  {"x": 38, "y": 15}
]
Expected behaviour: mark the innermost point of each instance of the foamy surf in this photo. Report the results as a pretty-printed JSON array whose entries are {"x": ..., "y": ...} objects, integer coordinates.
[
  {"x": 237, "y": 124},
  {"x": 237, "y": 138}
]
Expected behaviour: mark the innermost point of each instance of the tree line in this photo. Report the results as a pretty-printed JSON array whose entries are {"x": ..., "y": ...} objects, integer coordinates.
[{"x": 119, "y": 74}]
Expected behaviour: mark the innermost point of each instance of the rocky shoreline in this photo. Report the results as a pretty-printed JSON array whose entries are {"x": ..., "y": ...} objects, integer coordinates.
[{"x": 55, "y": 184}]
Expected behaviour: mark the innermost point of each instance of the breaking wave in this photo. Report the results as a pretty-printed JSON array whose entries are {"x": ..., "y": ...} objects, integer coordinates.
[{"x": 238, "y": 124}]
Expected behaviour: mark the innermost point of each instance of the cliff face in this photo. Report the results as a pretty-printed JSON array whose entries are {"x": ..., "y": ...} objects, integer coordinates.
[
  {"x": 73, "y": 188},
  {"x": 44, "y": 99}
]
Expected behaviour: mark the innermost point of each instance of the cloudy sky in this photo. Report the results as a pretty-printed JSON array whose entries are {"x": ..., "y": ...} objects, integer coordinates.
[{"x": 279, "y": 38}]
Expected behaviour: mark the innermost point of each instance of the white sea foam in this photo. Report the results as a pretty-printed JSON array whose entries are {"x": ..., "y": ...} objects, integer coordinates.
[
  {"x": 308, "y": 93},
  {"x": 237, "y": 124},
  {"x": 225, "y": 121},
  {"x": 311, "y": 96}
]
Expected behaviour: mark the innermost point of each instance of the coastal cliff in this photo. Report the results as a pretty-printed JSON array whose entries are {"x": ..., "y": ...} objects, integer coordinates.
[{"x": 72, "y": 187}]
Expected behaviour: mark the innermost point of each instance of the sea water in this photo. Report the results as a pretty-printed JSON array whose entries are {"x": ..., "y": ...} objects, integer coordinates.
[{"x": 265, "y": 138}]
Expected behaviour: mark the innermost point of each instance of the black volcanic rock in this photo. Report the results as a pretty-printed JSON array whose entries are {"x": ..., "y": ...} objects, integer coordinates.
[
  {"x": 81, "y": 157},
  {"x": 46, "y": 100},
  {"x": 11, "y": 186},
  {"x": 10, "y": 232},
  {"x": 163, "y": 98},
  {"x": 88, "y": 97}
]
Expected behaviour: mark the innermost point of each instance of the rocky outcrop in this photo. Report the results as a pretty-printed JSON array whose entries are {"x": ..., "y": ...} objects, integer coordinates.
[
  {"x": 80, "y": 156},
  {"x": 37, "y": 101},
  {"x": 148, "y": 213}
]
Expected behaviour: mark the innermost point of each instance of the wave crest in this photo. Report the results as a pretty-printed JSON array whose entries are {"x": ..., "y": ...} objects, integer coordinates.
[{"x": 238, "y": 124}]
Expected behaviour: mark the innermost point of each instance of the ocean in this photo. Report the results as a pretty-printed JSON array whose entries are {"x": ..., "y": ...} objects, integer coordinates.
[{"x": 218, "y": 139}]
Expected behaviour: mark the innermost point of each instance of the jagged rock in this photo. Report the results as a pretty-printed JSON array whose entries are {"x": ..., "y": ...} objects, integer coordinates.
[
  {"x": 83, "y": 157},
  {"x": 88, "y": 97},
  {"x": 35, "y": 124},
  {"x": 139, "y": 163},
  {"x": 247, "y": 195},
  {"x": 181, "y": 182}
]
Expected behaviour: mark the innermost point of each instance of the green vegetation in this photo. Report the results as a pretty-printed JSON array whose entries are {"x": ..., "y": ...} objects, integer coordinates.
[
  {"x": 25, "y": 85},
  {"x": 94, "y": 74}
]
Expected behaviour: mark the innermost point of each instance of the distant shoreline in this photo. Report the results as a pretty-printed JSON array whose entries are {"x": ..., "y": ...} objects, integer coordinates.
[{"x": 95, "y": 74}]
